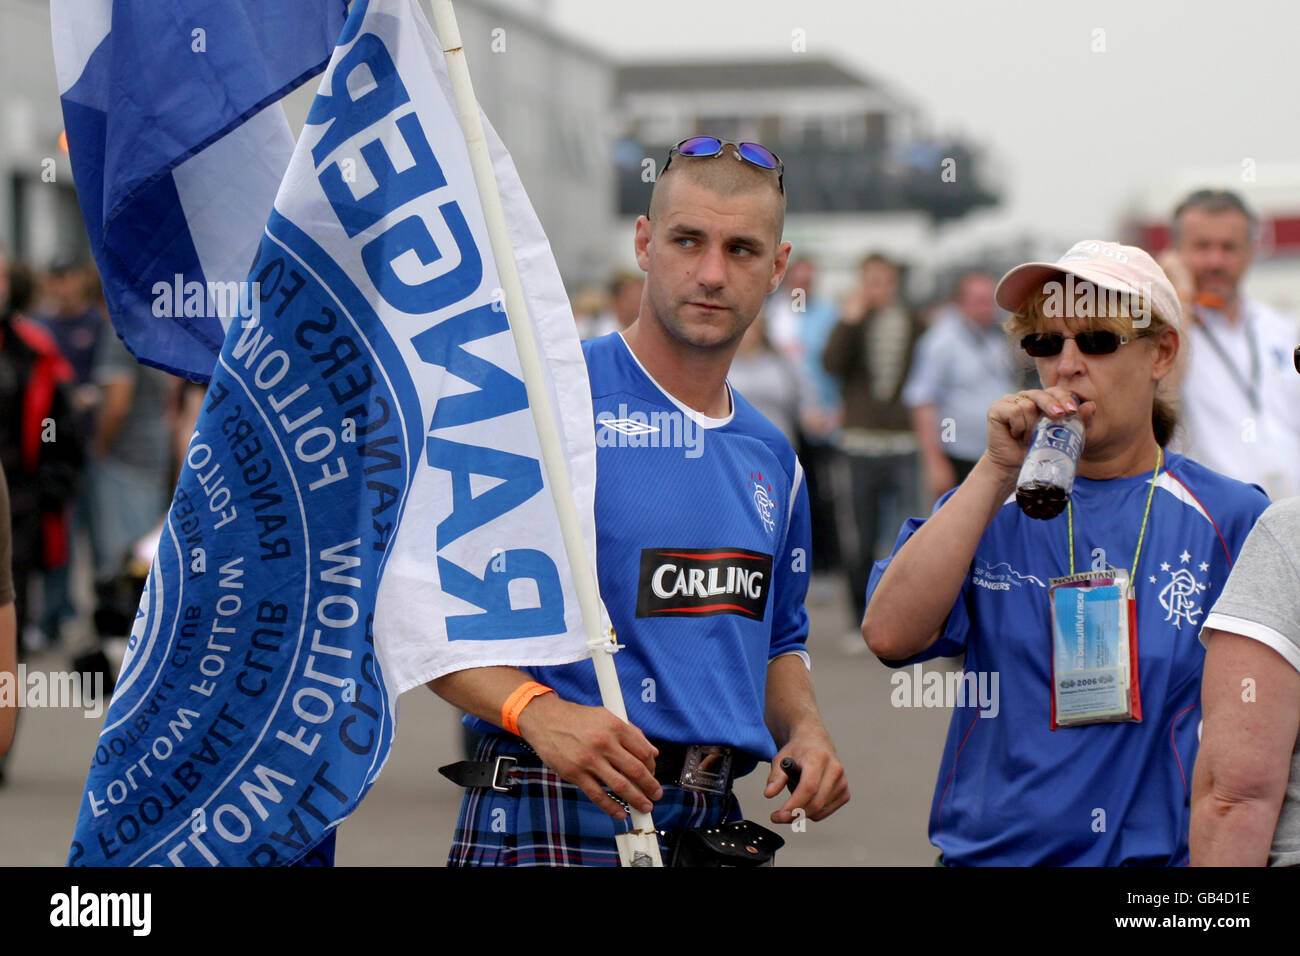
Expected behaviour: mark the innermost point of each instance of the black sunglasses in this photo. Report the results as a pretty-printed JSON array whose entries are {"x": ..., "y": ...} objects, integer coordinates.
[
  {"x": 1101, "y": 342},
  {"x": 705, "y": 147}
]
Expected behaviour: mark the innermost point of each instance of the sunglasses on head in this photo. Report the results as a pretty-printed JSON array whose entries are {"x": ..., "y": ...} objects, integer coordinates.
[
  {"x": 1100, "y": 342},
  {"x": 705, "y": 147}
]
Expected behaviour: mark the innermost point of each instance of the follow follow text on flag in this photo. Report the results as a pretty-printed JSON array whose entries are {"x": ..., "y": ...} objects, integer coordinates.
[{"x": 362, "y": 507}]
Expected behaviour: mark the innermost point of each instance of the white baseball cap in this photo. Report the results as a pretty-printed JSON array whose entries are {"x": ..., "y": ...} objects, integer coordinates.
[{"x": 1109, "y": 265}]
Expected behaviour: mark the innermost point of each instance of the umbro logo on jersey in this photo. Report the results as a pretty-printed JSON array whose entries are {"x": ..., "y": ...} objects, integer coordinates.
[
  {"x": 628, "y": 426},
  {"x": 657, "y": 428},
  {"x": 701, "y": 582}
]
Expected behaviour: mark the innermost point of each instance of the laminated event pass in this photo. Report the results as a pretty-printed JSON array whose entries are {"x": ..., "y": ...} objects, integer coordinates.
[{"x": 1094, "y": 649}]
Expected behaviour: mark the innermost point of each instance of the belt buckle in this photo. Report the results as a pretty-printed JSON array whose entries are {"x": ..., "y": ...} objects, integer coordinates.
[
  {"x": 500, "y": 777},
  {"x": 707, "y": 768}
]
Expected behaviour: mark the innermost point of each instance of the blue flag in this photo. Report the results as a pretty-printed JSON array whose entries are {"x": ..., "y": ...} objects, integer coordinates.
[
  {"x": 178, "y": 145},
  {"x": 362, "y": 507}
]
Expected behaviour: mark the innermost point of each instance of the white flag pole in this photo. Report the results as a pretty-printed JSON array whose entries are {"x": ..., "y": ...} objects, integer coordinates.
[{"x": 640, "y": 847}]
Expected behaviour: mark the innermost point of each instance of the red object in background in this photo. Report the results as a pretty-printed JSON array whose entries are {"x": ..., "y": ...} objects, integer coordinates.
[{"x": 1280, "y": 235}]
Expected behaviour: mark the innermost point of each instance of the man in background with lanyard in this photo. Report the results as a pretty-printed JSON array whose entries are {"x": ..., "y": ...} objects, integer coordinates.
[{"x": 1240, "y": 399}]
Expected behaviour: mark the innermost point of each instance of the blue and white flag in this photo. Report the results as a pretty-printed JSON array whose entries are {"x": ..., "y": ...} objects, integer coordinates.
[
  {"x": 178, "y": 145},
  {"x": 363, "y": 506}
]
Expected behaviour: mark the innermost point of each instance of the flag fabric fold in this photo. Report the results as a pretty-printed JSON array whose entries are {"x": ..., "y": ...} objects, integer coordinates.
[
  {"x": 178, "y": 145},
  {"x": 363, "y": 506}
]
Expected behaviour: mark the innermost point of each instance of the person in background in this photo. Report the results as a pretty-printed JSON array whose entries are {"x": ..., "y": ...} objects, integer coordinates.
[
  {"x": 624, "y": 304},
  {"x": 40, "y": 449},
  {"x": 767, "y": 379},
  {"x": 1246, "y": 788},
  {"x": 870, "y": 351},
  {"x": 76, "y": 322},
  {"x": 67, "y": 312},
  {"x": 799, "y": 324},
  {"x": 130, "y": 453},
  {"x": 1240, "y": 400},
  {"x": 40, "y": 452},
  {"x": 187, "y": 403},
  {"x": 8, "y": 629},
  {"x": 587, "y": 302},
  {"x": 963, "y": 363}
]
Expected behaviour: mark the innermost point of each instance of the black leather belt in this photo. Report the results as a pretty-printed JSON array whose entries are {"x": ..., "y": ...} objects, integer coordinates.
[
  {"x": 494, "y": 773},
  {"x": 703, "y": 767}
]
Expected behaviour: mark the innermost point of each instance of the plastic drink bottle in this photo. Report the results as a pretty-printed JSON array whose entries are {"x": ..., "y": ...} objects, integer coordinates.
[{"x": 1047, "y": 475}]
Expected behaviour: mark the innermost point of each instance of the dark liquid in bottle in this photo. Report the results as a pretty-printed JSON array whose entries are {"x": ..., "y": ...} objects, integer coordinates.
[{"x": 1040, "y": 500}]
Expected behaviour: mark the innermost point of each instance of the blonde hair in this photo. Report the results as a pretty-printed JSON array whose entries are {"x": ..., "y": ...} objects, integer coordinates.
[
  {"x": 1121, "y": 313},
  {"x": 1125, "y": 317}
]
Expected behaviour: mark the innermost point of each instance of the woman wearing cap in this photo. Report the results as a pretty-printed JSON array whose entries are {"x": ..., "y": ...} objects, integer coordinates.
[{"x": 1030, "y": 774}]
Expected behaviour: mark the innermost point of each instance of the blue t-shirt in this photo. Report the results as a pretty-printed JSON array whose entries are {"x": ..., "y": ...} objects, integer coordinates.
[
  {"x": 1011, "y": 791},
  {"x": 702, "y": 542}
]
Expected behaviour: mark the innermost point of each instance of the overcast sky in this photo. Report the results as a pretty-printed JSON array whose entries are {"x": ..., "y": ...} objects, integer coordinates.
[{"x": 1075, "y": 134}]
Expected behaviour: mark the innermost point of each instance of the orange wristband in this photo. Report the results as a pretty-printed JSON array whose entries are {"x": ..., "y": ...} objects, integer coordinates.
[{"x": 520, "y": 698}]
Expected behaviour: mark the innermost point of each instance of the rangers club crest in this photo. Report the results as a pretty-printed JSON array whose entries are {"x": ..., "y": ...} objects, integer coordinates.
[
  {"x": 1180, "y": 596},
  {"x": 763, "y": 501}
]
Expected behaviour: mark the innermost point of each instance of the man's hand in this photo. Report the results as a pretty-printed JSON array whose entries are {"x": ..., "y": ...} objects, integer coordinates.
[
  {"x": 587, "y": 746},
  {"x": 822, "y": 788},
  {"x": 798, "y": 730},
  {"x": 593, "y": 749}
]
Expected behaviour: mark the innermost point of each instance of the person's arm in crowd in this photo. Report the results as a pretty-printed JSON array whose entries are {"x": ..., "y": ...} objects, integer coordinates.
[
  {"x": 797, "y": 728},
  {"x": 587, "y": 746},
  {"x": 1250, "y": 699},
  {"x": 115, "y": 404},
  {"x": 939, "y": 473},
  {"x": 927, "y": 381},
  {"x": 917, "y": 591}
]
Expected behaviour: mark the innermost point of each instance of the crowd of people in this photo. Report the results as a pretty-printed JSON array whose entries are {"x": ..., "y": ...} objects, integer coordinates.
[
  {"x": 851, "y": 420},
  {"x": 886, "y": 402},
  {"x": 1185, "y": 386},
  {"x": 88, "y": 447}
]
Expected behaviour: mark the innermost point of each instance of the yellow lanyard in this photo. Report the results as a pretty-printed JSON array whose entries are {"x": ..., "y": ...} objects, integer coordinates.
[{"x": 1146, "y": 513}]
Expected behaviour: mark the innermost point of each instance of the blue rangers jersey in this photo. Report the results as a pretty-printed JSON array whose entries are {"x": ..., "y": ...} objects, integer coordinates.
[
  {"x": 1013, "y": 792},
  {"x": 702, "y": 539}
]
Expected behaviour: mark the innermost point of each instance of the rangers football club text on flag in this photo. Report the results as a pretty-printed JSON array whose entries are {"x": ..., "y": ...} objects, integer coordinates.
[{"x": 362, "y": 506}]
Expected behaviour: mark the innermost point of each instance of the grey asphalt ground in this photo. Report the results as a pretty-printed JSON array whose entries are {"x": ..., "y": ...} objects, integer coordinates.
[{"x": 891, "y": 755}]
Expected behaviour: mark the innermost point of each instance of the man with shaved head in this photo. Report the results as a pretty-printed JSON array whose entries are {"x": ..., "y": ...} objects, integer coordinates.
[{"x": 702, "y": 549}]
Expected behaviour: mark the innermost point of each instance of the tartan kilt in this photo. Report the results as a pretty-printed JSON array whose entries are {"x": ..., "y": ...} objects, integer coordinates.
[{"x": 546, "y": 821}]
